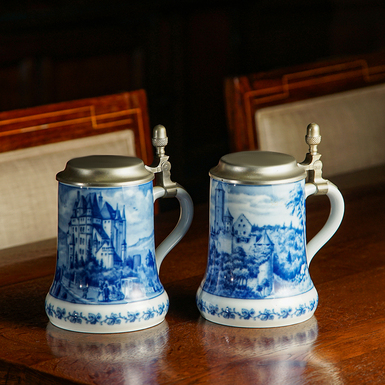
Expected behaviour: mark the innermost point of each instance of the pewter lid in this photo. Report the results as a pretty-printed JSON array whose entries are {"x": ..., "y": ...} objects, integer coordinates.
[
  {"x": 105, "y": 171},
  {"x": 258, "y": 167}
]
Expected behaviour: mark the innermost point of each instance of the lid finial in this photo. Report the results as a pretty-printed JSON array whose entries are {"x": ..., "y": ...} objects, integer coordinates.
[
  {"x": 313, "y": 137},
  {"x": 159, "y": 139}
]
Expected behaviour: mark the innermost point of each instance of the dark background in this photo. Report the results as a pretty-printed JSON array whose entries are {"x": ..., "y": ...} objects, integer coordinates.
[{"x": 178, "y": 51}]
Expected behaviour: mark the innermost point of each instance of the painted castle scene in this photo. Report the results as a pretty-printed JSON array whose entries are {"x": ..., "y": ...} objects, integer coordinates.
[
  {"x": 257, "y": 241},
  {"x": 106, "y": 248}
]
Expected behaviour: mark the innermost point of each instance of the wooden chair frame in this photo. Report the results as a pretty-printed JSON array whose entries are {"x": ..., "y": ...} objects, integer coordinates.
[
  {"x": 247, "y": 94},
  {"x": 77, "y": 119},
  {"x": 36, "y": 142}
]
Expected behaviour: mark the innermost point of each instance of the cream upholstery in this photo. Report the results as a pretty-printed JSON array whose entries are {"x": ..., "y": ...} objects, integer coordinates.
[
  {"x": 28, "y": 188},
  {"x": 352, "y": 127}
]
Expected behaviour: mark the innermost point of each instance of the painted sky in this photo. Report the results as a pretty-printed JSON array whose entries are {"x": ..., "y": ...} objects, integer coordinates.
[{"x": 262, "y": 205}]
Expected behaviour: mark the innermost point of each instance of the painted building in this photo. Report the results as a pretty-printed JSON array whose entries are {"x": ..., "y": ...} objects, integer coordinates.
[{"x": 96, "y": 230}]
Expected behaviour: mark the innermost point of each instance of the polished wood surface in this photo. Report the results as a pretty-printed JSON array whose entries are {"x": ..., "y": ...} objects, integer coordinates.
[
  {"x": 342, "y": 344},
  {"x": 247, "y": 94}
]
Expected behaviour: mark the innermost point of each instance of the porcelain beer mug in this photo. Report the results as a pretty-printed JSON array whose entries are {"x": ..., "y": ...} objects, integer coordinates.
[
  {"x": 257, "y": 272},
  {"x": 107, "y": 267}
]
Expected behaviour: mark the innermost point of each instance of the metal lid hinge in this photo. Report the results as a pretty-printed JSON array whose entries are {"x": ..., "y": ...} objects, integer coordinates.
[
  {"x": 161, "y": 165},
  {"x": 312, "y": 162}
]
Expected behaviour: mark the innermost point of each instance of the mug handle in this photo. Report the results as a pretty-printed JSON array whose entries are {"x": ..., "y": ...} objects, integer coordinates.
[
  {"x": 166, "y": 188},
  {"x": 183, "y": 224},
  {"x": 337, "y": 208},
  {"x": 317, "y": 185}
]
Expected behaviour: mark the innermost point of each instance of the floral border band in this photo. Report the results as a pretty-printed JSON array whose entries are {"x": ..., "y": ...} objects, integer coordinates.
[
  {"x": 250, "y": 314},
  {"x": 112, "y": 319}
]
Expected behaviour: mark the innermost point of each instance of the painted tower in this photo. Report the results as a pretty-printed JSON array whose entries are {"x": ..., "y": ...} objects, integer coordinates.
[
  {"x": 223, "y": 222},
  {"x": 219, "y": 207}
]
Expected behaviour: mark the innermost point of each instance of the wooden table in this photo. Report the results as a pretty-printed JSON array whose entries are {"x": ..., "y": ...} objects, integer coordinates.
[{"x": 344, "y": 343}]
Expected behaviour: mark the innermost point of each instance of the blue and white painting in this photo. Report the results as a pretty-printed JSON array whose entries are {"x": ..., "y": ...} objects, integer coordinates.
[
  {"x": 257, "y": 241},
  {"x": 106, "y": 247}
]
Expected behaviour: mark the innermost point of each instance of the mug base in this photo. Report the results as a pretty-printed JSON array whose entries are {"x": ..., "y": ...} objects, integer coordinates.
[
  {"x": 117, "y": 318},
  {"x": 257, "y": 313}
]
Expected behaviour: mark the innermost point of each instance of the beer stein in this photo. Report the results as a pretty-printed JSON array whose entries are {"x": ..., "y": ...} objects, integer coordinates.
[
  {"x": 257, "y": 272},
  {"x": 107, "y": 267}
]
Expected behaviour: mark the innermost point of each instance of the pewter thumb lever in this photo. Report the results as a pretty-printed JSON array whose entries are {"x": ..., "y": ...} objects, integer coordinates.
[
  {"x": 312, "y": 162},
  {"x": 161, "y": 166}
]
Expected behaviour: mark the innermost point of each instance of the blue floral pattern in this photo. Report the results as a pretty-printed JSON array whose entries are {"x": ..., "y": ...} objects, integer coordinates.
[
  {"x": 112, "y": 319},
  {"x": 250, "y": 314}
]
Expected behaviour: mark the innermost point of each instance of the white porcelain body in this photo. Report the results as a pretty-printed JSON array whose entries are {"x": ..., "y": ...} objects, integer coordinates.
[
  {"x": 257, "y": 272},
  {"x": 106, "y": 278}
]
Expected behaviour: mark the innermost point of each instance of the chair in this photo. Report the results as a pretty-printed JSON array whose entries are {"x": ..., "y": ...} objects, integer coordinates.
[
  {"x": 36, "y": 143},
  {"x": 346, "y": 98}
]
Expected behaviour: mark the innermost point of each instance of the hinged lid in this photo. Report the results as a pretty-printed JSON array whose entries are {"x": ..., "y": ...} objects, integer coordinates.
[
  {"x": 105, "y": 171},
  {"x": 258, "y": 167}
]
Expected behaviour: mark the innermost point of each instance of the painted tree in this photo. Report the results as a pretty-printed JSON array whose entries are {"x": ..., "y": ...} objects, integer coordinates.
[{"x": 296, "y": 202}]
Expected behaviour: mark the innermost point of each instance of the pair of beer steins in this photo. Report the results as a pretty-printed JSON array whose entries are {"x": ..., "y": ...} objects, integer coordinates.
[{"x": 257, "y": 274}]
